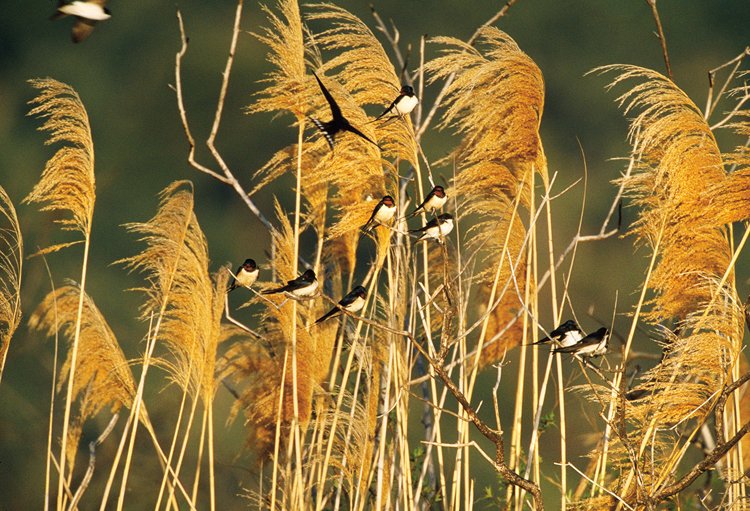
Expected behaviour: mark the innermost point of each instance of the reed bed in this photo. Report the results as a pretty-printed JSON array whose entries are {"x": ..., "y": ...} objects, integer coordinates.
[{"x": 411, "y": 400}]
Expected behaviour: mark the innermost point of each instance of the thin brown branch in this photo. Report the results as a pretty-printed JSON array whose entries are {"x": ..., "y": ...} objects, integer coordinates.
[
  {"x": 662, "y": 38},
  {"x": 92, "y": 461},
  {"x": 226, "y": 176},
  {"x": 706, "y": 464}
]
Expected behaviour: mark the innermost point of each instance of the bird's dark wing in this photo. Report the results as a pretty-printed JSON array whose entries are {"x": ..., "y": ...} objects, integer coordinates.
[
  {"x": 324, "y": 128},
  {"x": 540, "y": 341},
  {"x": 349, "y": 127},
  {"x": 82, "y": 28},
  {"x": 368, "y": 226},
  {"x": 335, "y": 110},
  {"x": 589, "y": 340},
  {"x": 232, "y": 286},
  {"x": 413, "y": 213},
  {"x": 390, "y": 107},
  {"x": 327, "y": 315}
]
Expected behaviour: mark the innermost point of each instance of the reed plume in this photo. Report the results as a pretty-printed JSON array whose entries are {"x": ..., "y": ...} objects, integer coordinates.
[
  {"x": 102, "y": 377},
  {"x": 175, "y": 263},
  {"x": 67, "y": 182},
  {"x": 495, "y": 102},
  {"x": 677, "y": 161},
  {"x": 11, "y": 265}
]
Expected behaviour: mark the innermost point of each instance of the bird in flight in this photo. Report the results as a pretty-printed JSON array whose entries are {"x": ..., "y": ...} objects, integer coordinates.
[
  {"x": 338, "y": 122},
  {"x": 352, "y": 302},
  {"x": 245, "y": 276},
  {"x": 86, "y": 12}
]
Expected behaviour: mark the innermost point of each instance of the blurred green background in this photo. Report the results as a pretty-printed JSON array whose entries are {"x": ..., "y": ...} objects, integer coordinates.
[{"x": 123, "y": 73}]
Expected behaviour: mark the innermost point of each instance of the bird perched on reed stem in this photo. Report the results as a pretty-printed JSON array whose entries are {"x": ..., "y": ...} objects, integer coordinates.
[
  {"x": 383, "y": 213},
  {"x": 436, "y": 228},
  {"x": 352, "y": 302},
  {"x": 245, "y": 276},
  {"x": 593, "y": 345},
  {"x": 434, "y": 201},
  {"x": 404, "y": 103},
  {"x": 303, "y": 287},
  {"x": 564, "y": 335}
]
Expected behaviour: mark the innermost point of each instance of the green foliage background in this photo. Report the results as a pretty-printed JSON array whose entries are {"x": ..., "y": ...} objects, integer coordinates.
[{"x": 123, "y": 72}]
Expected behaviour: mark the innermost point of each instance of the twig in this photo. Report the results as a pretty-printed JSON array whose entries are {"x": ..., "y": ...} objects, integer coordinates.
[
  {"x": 424, "y": 125},
  {"x": 228, "y": 177},
  {"x": 662, "y": 39},
  {"x": 92, "y": 460}
]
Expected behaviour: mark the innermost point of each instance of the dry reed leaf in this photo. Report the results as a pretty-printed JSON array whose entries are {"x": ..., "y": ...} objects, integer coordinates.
[
  {"x": 11, "y": 264},
  {"x": 67, "y": 182}
]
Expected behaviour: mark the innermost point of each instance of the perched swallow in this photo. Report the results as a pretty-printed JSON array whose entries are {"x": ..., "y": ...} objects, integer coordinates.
[
  {"x": 338, "y": 123},
  {"x": 403, "y": 104},
  {"x": 86, "y": 13},
  {"x": 435, "y": 228},
  {"x": 434, "y": 200},
  {"x": 245, "y": 276},
  {"x": 593, "y": 345},
  {"x": 301, "y": 288},
  {"x": 383, "y": 213},
  {"x": 564, "y": 335},
  {"x": 352, "y": 302}
]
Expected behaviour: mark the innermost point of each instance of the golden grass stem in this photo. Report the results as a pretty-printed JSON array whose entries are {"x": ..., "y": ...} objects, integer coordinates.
[
  {"x": 72, "y": 370},
  {"x": 50, "y": 428}
]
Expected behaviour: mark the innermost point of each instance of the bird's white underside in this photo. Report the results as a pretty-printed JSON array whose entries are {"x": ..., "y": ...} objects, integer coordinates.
[
  {"x": 406, "y": 105},
  {"x": 385, "y": 214},
  {"x": 356, "y": 305},
  {"x": 444, "y": 228},
  {"x": 246, "y": 278},
  {"x": 571, "y": 338},
  {"x": 88, "y": 10},
  {"x": 306, "y": 291}
]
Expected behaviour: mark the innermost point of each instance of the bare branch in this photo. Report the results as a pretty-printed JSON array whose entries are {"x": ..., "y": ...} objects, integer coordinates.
[{"x": 662, "y": 39}]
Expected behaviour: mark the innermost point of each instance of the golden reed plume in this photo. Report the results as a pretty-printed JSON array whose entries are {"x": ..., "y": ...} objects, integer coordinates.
[
  {"x": 495, "y": 102},
  {"x": 102, "y": 377},
  {"x": 677, "y": 161},
  {"x": 175, "y": 262},
  {"x": 67, "y": 182},
  {"x": 11, "y": 265}
]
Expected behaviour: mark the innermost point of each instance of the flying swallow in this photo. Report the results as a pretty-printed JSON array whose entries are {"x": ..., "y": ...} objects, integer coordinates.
[
  {"x": 564, "y": 335},
  {"x": 435, "y": 228},
  {"x": 403, "y": 104},
  {"x": 245, "y": 276},
  {"x": 86, "y": 12},
  {"x": 338, "y": 123},
  {"x": 593, "y": 345},
  {"x": 352, "y": 302},
  {"x": 301, "y": 288},
  {"x": 434, "y": 200},
  {"x": 383, "y": 213}
]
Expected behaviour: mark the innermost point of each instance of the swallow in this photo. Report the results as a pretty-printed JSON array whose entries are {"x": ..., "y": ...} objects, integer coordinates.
[
  {"x": 564, "y": 335},
  {"x": 403, "y": 104},
  {"x": 245, "y": 276},
  {"x": 352, "y": 302},
  {"x": 434, "y": 200},
  {"x": 86, "y": 12},
  {"x": 303, "y": 287},
  {"x": 338, "y": 123},
  {"x": 383, "y": 213},
  {"x": 593, "y": 345},
  {"x": 436, "y": 228}
]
